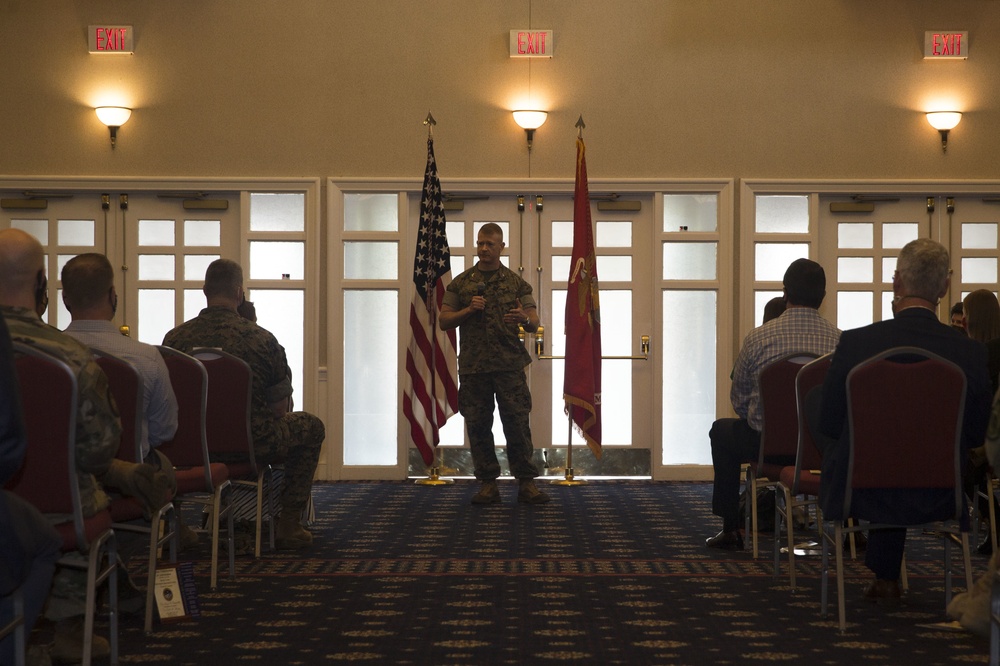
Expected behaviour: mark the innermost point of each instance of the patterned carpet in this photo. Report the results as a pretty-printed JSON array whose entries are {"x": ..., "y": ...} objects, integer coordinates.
[{"x": 608, "y": 573}]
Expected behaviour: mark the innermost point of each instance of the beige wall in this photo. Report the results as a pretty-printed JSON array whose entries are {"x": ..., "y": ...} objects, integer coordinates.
[{"x": 668, "y": 88}]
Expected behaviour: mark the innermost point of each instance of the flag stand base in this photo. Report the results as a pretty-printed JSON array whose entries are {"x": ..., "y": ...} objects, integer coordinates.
[
  {"x": 433, "y": 479},
  {"x": 569, "y": 479}
]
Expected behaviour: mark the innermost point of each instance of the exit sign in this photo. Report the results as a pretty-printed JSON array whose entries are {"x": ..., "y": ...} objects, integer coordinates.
[
  {"x": 110, "y": 38},
  {"x": 946, "y": 45},
  {"x": 531, "y": 44}
]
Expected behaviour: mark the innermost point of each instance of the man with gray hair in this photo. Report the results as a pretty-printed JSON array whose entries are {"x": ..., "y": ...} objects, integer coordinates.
[{"x": 921, "y": 279}]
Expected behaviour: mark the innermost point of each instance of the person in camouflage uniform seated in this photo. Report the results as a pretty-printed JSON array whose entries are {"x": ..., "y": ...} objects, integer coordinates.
[
  {"x": 98, "y": 429},
  {"x": 488, "y": 303},
  {"x": 279, "y": 435}
]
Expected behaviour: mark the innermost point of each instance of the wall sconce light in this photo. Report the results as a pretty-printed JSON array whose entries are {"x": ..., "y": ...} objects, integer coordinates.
[
  {"x": 114, "y": 117},
  {"x": 530, "y": 121},
  {"x": 943, "y": 122}
]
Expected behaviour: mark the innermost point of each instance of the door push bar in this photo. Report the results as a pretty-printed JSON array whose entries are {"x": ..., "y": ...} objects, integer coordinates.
[{"x": 540, "y": 348}]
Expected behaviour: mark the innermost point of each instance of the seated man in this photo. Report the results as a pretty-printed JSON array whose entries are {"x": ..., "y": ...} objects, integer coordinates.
[
  {"x": 920, "y": 281},
  {"x": 30, "y": 545},
  {"x": 800, "y": 328},
  {"x": 98, "y": 430},
  {"x": 90, "y": 296},
  {"x": 279, "y": 436}
]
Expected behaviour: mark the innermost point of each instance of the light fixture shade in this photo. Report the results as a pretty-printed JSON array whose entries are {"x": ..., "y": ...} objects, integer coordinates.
[
  {"x": 530, "y": 120},
  {"x": 113, "y": 116},
  {"x": 943, "y": 120}
]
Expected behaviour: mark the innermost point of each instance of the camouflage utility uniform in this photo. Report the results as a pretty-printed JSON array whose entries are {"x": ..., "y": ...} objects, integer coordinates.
[
  {"x": 294, "y": 439},
  {"x": 491, "y": 365},
  {"x": 98, "y": 432}
]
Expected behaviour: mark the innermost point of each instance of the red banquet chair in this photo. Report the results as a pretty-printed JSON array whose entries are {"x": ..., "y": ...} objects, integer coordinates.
[
  {"x": 48, "y": 480},
  {"x": 127, "y": 512},
  {"x": 911, "y": 442},
  {"x": 199, "y": 480},
  {"x": 780, "y": 434},
  {"x": 230, "y": 381},
  {"x": 799, "y": 483}
]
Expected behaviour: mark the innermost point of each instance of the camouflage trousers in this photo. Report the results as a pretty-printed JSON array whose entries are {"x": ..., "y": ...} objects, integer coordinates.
[
  {"x": 476, "y": 394},
  {"x": 295, "y": 442}
]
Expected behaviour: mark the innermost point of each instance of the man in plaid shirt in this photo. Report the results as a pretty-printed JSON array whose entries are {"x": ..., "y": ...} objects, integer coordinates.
[{"x": 736, "y": 441}]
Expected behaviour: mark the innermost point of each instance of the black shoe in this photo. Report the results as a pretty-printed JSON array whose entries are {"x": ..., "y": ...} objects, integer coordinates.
[{"x": 726, "y": 540}]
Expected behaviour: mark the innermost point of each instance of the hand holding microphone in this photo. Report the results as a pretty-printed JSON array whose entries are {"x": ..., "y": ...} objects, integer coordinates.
[{"x": 480, "y": 290}]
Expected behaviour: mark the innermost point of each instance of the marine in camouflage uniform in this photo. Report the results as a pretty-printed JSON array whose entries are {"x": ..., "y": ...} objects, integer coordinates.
[
  {"x": 488, "y": 303},
  {"x": 294, "y": 439}
]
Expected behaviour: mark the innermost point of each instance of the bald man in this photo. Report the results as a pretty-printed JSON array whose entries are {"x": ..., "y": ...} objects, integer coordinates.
[{"x": 98, "y": 429}]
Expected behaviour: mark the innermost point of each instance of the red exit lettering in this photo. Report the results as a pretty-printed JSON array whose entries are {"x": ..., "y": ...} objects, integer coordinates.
[
  {"x": 111, "y": 39},
  {"x": 529, "y": 43},
  {"x": 947, "y": 44}
]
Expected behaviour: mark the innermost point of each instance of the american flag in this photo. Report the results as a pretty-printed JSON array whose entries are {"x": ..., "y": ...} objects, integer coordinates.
[{"x": 430, "y": 391}]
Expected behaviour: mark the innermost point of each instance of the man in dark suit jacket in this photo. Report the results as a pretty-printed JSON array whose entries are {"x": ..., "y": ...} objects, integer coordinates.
[{"x": 922, "y": 277}]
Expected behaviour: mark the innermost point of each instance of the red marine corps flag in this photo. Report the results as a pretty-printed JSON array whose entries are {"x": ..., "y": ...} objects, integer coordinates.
[
  {"x": 430, "y": 390},
  {"x": 582, "y": 386}
]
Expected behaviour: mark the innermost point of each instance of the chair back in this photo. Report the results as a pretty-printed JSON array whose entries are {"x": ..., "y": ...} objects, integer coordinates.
[
  {"x": 126, "y": 387},
  {"x": 905, "y": 408},
  {"x": 47, "y": 478},
  {"x": 780, "y": 433},
  {"x": 230, "y": 381},
  {"x": 807, "y": 454},
  {"x": 189, "y": 446}
]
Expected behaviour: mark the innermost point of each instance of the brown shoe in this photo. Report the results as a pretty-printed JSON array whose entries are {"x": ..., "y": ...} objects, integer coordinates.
[
  {"x": 530, "y": 494},
  {"x": 488, "y": 493},
  {"x": 68, "y": 645},
  {"x": 884, "y": 592},
  {"x": 188, "y": 537},
  {"x": 290, "y": 535}
]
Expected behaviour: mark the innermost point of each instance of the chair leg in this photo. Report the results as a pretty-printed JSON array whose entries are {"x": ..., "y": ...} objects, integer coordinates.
[
  {"x": 230, "y": 534},
  {"x": 824, "y": 577},
  {"x": 776, "y": 551},
  {"x": 154, "y": 538},
  {"x": 753, "y": 515},
  {"x": 260, "y": 515},
  {"x": 966, "y": 556},
  {"x": 216, "y": 519},
  {"x": 839, "y": 556},
  {"x": 991, "y": 485},
  {"x": 790, "y": 527}
]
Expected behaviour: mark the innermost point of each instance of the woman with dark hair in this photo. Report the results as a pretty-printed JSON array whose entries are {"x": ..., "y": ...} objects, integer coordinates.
[{"x": 982, "y": 322}]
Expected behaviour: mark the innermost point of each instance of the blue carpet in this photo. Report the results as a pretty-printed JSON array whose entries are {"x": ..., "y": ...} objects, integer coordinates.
[{"x": 607, "y": 573}]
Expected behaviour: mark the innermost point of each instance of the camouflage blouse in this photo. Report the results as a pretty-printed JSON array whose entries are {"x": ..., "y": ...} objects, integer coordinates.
[{"x": 486, "y": 343}]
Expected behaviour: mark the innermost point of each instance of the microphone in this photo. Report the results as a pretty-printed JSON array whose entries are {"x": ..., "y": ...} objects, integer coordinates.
[{"x": 480, "y": 290}]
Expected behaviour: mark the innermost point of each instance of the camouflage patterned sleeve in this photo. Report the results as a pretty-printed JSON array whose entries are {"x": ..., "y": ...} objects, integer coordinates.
[
  {"x": 993, "y": 434},
  {"x": 98, "y": 428}
]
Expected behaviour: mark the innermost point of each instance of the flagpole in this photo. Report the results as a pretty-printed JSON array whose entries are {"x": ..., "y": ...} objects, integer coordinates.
[{"x": 568, "y": 479}]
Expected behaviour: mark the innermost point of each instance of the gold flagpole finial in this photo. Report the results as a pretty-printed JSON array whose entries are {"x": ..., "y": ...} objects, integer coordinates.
[
  {"x": 581, "y": 125},
  {"x": 430, "y": 122}
]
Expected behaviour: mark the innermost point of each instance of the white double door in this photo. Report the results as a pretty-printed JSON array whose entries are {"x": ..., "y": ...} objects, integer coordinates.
[
  {"x": 859, "y": 249},
  {"x": 158, "y": 248},
  {"x": 539, "y": 245}
]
